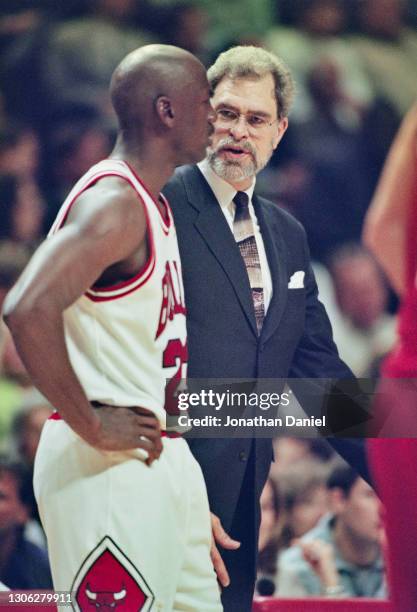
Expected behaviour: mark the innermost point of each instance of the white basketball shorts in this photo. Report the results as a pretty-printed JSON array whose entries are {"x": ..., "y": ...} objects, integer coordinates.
[{"x": 121, "y": 534}]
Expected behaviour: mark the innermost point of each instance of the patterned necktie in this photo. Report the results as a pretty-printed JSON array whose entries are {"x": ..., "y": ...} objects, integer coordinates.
[{"x": 244, "y": 234}]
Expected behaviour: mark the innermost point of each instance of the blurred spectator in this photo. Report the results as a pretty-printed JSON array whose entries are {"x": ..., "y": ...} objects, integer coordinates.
[
  {"x": 340, "y": 130},
  {"x": 13, "y": 258},
  {"x": 268, "y": 539},
  {"x": 233, "y": 22},
  {"x": 313, "y": 43},
  {"x": 22, "y": 207},
  {"x": 287, "y": 183},
  {"x": 2, "y": 110},
  {"x": 22, "y": 210},
  {"x": 292, "y": 503},
  {"x": 27, "y": 426},
  {"x": 289, "y": 451},
  {"x": 327, "y": 294},
  {"x": 82, "y": 53},
  {"x": 186, "y": 25},
  {"x": 363, "y": 330},
  {"x": 334, "y": 202},
  {"x": 380, "y": 124},
  {"x": 23, "y": 28},
  {"x": 24, "y": 32},
  {"x": 10, "y": 12},
  {"x": 269, "y": 512},
  {"x": 341, "y": 556},
  {"x": 388, "y": 51},
  {"x": 77, "y": 139},
  {"x": 323, "y": 176},
  {"x": 23, "y": 565},
  {"x": 26, "y": 431},
  {"x": 303, "y": 498},
  {"x": 19, "y": 152},
  {"x": 15, "y": 372}
]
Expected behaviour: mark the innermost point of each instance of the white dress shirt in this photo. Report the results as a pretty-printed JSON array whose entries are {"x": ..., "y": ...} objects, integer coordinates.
[{"x": 224, "y": 193}]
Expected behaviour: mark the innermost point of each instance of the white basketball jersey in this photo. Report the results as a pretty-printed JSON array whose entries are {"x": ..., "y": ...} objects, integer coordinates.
[{"x": 127, "y": 343}]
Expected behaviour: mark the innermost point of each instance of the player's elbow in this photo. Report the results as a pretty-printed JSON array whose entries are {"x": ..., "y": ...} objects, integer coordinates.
[{"x": 19, "y": 311}]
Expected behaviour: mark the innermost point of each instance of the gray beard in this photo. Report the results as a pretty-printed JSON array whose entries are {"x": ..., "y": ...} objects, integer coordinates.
[{"x": 231, "y": 171}]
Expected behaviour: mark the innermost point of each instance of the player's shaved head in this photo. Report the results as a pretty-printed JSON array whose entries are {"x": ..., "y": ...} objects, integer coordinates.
[{"x": 147, "y": 74}]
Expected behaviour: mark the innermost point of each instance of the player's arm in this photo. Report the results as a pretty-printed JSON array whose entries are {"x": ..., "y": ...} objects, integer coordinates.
[
  {"x": 385, "y": 227},
  {"x": 107, "y": 225}
]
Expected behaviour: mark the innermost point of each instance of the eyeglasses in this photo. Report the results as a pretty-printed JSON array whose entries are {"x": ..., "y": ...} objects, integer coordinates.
[{"x": 226, "y": 117}]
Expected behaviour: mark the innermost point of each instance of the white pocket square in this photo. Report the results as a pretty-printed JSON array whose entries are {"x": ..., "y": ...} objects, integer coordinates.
[{"x": 297, "y": 280}]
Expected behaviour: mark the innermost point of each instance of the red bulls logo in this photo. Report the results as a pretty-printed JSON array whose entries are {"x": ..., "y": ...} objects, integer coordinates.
[
  {"x": 108, "y": 581},
  {"x": 105, "y": 599}
]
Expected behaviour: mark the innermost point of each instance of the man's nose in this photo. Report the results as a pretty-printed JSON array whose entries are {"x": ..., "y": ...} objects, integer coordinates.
[{"x": 239, "y": 129}]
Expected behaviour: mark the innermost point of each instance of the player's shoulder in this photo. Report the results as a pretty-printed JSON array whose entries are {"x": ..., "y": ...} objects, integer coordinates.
[
  {"x": 109, "y": 188},
  {"x": 110, "y": 200}
]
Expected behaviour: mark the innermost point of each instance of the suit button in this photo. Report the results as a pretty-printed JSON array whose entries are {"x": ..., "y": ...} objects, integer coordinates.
[{"x": 242, "y": 456}]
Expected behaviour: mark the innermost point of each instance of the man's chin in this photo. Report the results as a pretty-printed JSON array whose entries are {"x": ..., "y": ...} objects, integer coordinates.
[{"x": 230, "y": 170}]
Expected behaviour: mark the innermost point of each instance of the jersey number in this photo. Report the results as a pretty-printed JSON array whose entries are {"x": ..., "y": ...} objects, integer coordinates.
[{"x": 175, "y": 354}]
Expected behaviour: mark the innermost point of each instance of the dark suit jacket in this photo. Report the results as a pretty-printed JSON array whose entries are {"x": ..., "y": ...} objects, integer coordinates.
[{"x": 296, "y": 338}]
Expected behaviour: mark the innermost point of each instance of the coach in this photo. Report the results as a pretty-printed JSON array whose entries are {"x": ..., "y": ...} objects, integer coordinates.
[{"x": 251, "y": 296}]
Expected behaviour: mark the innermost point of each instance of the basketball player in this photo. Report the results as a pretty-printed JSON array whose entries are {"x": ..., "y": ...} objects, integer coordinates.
[
  {"x": 390, "y": 231},
  {"x": 98, "y": 318}
]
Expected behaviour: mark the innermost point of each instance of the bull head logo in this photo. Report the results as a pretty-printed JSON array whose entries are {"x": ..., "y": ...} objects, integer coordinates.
[
  {"x": 105, "y": 599},
  {"x": 109, "y": 581}
]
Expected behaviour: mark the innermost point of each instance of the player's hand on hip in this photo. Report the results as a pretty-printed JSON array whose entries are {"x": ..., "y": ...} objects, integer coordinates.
[
  {"x": 126, "y": 428},
  {"x": 221, "y": 538}
]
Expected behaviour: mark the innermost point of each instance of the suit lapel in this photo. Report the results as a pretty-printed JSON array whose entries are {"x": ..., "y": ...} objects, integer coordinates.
[
  {"x": 214, "y": 230},
  {"x": 277, "y": 261}
]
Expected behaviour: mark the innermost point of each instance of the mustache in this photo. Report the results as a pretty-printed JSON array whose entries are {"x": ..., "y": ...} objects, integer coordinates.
[{"x": 230, "y": 142}]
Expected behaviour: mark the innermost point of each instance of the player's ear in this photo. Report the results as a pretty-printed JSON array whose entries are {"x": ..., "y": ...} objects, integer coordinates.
[{"x": 165, "y": 110}]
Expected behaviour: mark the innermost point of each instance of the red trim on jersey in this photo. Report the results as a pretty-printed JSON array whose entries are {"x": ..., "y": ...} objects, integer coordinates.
[
  {"x": 167, "y": 222},
  {"x": 55, "y": 416},
  {"x": 107, "y": 298},
  {"x": 91, "y": 182},
  {"x": 169, "y": 212},
  {"x": 146, "y": 272}
]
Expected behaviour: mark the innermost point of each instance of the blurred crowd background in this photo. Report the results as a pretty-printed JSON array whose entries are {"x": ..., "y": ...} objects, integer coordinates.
[{"x": 355, "y": 66}]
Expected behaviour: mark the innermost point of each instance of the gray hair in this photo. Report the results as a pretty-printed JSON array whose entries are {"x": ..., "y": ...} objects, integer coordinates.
[{"x": 254, "y": 62}]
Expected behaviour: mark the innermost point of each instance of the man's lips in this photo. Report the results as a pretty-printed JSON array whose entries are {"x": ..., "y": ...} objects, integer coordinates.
[{"x": 235, "y": 152}]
